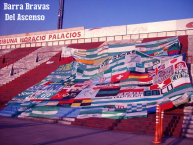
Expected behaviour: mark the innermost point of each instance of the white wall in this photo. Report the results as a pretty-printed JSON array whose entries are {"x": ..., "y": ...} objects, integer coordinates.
[{"x": 124, "y": 32}]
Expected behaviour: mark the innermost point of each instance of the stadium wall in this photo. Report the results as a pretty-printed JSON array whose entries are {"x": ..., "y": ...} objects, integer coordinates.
[{"x": 82, "y": 35}]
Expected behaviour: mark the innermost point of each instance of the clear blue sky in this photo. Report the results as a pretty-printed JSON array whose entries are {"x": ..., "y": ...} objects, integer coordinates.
[{"x": 94, "y": 13}]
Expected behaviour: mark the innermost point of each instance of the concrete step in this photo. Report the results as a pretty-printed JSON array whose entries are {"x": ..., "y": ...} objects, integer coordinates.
[
  {"x": 187, "y": 135},
  {"x": 64, "y": 122},
  {"x": 38, "y": 119},
  {"x": 68, "y": 119},
  {"x": 133, "y": 130},
  {"x": 187, "y": 130},
  {"x": 188, "y": 107},
  {"x": 107, "y": 126},
  {"x": 190, "y": 111},
  {"x": 77, "y": 123},
  {"x": 185, "y": 126},
  {"x": 187, "y": 121},
  {"x": 97, "y": 120},
  {"x": 171, "y": 133},
  {"x": 97, "y": 126}
]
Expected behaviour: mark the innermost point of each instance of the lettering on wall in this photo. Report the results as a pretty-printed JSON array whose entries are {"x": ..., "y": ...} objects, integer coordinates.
[{"x": 42, "y": 38}]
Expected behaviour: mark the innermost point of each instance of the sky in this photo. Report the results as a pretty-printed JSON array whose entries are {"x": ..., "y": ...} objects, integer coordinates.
[{"x": 93, "y": 13}]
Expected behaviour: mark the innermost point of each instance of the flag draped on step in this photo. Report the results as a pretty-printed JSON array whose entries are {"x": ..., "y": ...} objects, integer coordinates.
[{"x": 109, "y": 81}]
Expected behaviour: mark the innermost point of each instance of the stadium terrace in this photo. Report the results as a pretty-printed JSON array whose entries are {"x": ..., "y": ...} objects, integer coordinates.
[{"x": 102, "y": 77}]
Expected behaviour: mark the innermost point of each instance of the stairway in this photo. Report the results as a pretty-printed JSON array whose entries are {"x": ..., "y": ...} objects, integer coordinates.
[
  {"x": 27, "y": 63},
  {"x": 173, "y": 125},
  {"x": 176, "y": 123},
  {"x": 187, "y": 124},
  {"x": 28, "y": 79},
  {"x": 15, "y": 55},
  {"x": 5, "y": 51},
  {"x": 101, "y": 123}
]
